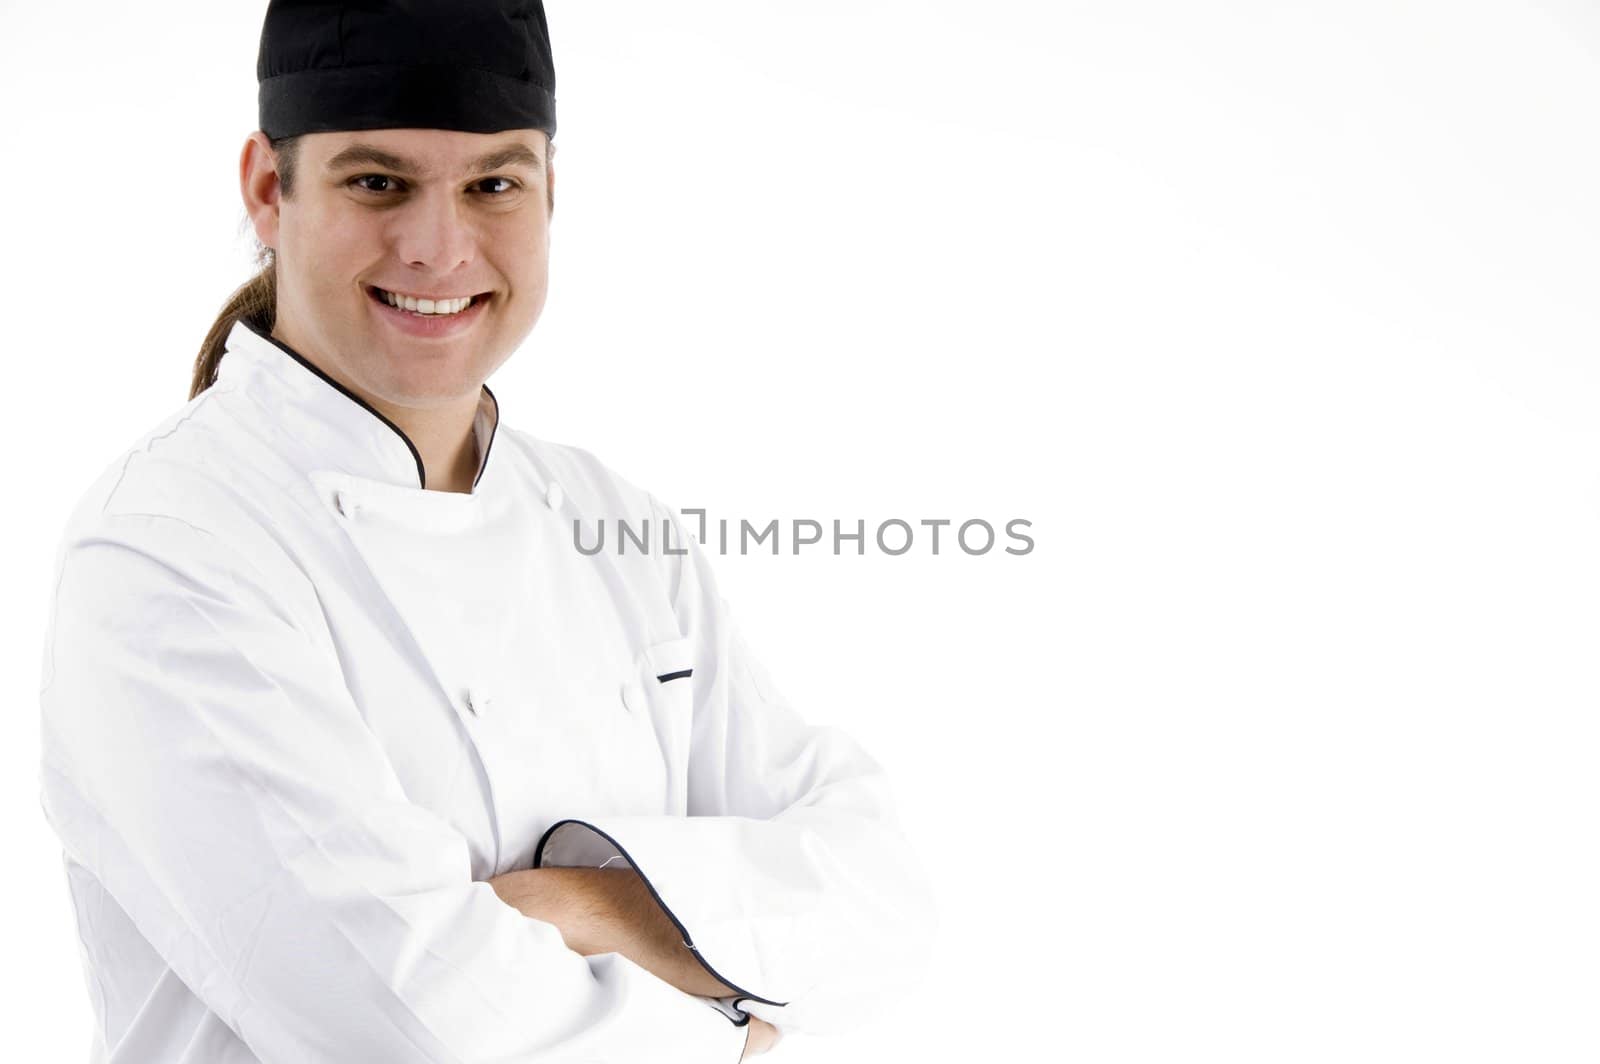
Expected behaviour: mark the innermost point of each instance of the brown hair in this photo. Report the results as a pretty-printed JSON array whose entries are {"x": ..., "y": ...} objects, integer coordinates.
[{"x": 256, "y": 301}]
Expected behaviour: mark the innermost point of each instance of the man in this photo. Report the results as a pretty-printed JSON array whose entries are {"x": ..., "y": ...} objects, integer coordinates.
[{"x": 353, "y": 755}]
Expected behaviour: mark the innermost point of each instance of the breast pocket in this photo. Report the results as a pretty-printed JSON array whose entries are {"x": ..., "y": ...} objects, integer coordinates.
[{"x": 658, "y": 691}]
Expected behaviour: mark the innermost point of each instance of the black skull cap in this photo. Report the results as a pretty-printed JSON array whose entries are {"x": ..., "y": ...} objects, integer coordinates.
[{"x": 480, "y": 66}]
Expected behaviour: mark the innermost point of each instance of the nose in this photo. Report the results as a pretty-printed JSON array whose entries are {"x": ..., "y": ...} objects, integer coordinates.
[{"x": 433, "y": 233}]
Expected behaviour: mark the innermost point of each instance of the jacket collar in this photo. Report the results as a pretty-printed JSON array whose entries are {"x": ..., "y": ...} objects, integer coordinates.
[{"x": 340, "y": 429}]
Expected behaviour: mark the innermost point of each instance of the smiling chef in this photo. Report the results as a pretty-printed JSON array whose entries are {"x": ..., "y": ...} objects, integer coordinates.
[{"x": 353, "y": 755}]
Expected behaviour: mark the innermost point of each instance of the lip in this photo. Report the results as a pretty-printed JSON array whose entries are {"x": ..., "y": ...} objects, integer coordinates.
[{"x": 428, "y": 326}]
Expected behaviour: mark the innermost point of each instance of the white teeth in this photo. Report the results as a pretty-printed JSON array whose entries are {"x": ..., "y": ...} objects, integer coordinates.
[{"x": 426, "y": 306}]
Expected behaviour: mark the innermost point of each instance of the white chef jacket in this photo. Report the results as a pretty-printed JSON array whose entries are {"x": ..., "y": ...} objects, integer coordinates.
[{"x": 297, "y": 710}]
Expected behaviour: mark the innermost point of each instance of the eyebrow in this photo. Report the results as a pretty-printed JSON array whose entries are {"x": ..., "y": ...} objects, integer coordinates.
[{"x": 371, "y": 155}]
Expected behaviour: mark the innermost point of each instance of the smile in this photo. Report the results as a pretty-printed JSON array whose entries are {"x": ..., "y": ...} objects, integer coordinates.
[
  {"x": 435, "y": 317},
  {"x": 443, "y": 306}
]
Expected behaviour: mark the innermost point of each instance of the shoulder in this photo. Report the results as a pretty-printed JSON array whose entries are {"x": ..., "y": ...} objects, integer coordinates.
[
  {"x": 185, "y": 466},
  {"x": 176, "y": 496}
]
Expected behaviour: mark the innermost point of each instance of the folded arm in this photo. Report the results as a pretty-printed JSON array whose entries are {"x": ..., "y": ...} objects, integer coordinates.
[
  {"x": 609, "y": 910},
  {"x": 204, "y": 760}
]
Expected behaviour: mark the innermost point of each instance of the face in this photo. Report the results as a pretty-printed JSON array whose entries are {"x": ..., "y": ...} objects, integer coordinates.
[{"x": 408, "y": 214}]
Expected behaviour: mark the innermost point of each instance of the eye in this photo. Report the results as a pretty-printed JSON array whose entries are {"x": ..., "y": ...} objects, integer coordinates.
[
  {"x": 510, "y": 186},
  {"x": 357, "y": 181}
]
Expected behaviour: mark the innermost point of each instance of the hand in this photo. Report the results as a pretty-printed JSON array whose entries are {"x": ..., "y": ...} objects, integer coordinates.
[{"x": 762, "y": 1037}]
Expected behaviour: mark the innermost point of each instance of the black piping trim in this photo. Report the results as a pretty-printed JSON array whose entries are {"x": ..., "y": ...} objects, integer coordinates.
[
  {"x": 538, "y": 857},
  {"x": 680, "y": 674},
  {"x": 493, "y": 429},
  {"x": 422, "y": 475}
]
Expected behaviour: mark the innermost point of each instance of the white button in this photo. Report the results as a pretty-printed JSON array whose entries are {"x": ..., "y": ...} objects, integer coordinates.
[
  {"x": 345, "y": 503},
  {"x": 554, "y": 496}
]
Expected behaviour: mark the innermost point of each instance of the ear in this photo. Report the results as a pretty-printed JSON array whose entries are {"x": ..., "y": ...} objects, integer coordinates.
[{"x": 258, "y": 185}]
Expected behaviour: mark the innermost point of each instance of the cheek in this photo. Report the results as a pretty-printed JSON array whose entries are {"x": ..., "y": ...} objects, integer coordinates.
[
  {"x": 331, "y": 239},
  {"x": 347, "y": 237},
  {"x": 525, "y": 231},
  {"x": 528, "y": 266}
]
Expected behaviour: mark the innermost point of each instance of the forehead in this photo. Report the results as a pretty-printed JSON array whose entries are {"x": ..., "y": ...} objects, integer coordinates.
[{"x": 425, "y": 152}]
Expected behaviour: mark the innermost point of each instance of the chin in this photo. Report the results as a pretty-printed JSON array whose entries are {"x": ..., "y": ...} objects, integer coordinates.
[{"x": 437, "y": 379}]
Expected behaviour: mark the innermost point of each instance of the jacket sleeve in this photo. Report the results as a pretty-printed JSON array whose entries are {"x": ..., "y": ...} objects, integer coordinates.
[
  {"x": 203, "y": 758},
  {"x": 790, "y": 877}
]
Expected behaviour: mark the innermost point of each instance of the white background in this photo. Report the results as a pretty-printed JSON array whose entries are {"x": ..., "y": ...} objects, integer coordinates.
[{"x": 1277, "y": 320}]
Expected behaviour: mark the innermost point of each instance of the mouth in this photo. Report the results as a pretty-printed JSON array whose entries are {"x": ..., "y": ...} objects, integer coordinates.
[
  {"x": 438, "y": 307},
  {"x": 433, "y": 318}
]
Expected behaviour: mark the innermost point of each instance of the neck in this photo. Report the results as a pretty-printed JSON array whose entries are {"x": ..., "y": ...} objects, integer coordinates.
[{"x": 443, "y": 437}]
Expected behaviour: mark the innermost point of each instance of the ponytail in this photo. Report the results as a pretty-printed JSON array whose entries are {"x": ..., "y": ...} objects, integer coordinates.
[{"x": 255, "y": 301}]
